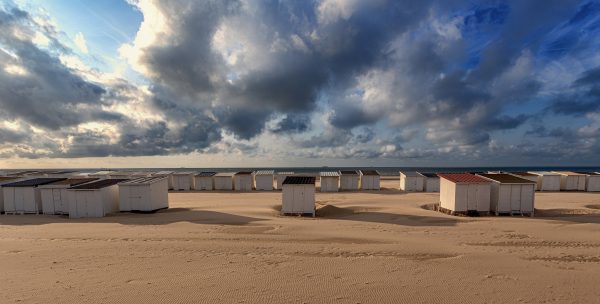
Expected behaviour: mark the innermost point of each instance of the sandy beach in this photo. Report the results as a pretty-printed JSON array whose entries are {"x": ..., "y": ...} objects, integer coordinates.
[{"x": 363, "y": 247}]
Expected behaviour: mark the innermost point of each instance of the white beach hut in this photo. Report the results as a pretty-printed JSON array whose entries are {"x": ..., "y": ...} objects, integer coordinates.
[
  {"x": 370, "y": 180},
  {"x": 95, "y": 199},
  {"x": 242, "y": 181},
  {"x": 263, "y": 180},
  {"x": 183, "y": 181},
  {"x": 571, "y": 181},
  {"x": 204, "y": 181},
  {"x": 330, "y": 181},
  {"x": 280, "y": 177},
  {"x": 547, "y": 181},
  {"x": 464, "y": 193},
  {"x": 511, "y": 194},
  {"x": 349, "y": 180},
  {"x": 411, "y": 181},
  {"x": 144, "y": 194},
  {"x": 223, "y": 181},
  {"x": 431, "y": 182},
  {"x": 54, "y": 195},
  {"x": 168, "y": 175},
  {"x": 298, "y": 195},
  {"x": 592, "y": 182},
  {"x": 24, "y": 196},
  {"x": 5, "y": 180}
]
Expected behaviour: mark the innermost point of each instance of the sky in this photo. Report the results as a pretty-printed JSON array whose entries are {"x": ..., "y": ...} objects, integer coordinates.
[{"x": 229, "y": 83}]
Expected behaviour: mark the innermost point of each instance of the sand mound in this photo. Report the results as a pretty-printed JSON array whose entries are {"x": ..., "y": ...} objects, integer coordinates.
[
  {"x": 593, "y": 206},
  {"x": 564, "y": 212},
  {"x": 324, "y": 210}
]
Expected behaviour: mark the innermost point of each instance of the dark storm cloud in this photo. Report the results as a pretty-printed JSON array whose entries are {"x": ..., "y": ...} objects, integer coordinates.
[
  {"x": 293, "y": 123},
  {"x": 585, "y": 98},
  {"x": 348, "y": 116}
]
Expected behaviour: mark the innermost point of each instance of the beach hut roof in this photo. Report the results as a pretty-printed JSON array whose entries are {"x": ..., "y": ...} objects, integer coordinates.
[
  {"x": 264, "y": 172},
  {"x": 244, "y": 173},
  {"x": 429, "y": 175},
  {"x": 348, "y": 172},
  {"x": 330, "y": 173},
  {"x": 299, "y": 180},
  {"x": 7, "y": 178},
  {"x": 523, "y": 173},
  {"x": 29, "y": 172},
  {"x": 33, "y": 182},
  {"x": 143, "y": 180},
  {"x": 73, "y": 181},
  {"x": 411, "y": 173},
  {"x": 369, "y": 172},
  {"x": 103, "y": 183},
  {"x": 568, "y": 173},
  {"x": 507, "y": 178},
  {"x": 544, "y": 173},
  {"x": 163, "y": 173},
  {"x": 285, "y": 173},
  {"x": 184, "y": 173},
  {"x": 206, "y": 174},
  {"x": 588, "y": 173},
  {"x": 463, "y": 178},
  {"x": 224, "y": 174}
]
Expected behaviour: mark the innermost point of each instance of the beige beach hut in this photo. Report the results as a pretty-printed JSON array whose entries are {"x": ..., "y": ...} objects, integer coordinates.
[
  {"x": 223, "y": 181},
  {"x": 464, "y": 193},
  {"x": 168, "y": 175},
  {"x": 370, "y": 180},
  {"x": 204, "y": 181},
  {"x": 330, "y": 181},
  {"x": 54, "y": 195},
  {"x": 242, "y": 181},
  {"x": 5, "y": 180},
  {"x": 511, "y": 194},
  {"x": 145, "y": 194},
  {"x": 183, "y": 181},
  {"x": 571, "y": 181},
  {"x": 298, "y": 195},
  {"x": 263, "y": 180},
  {"x": 411, "y": 181},
  {"x": 431, "y": 182},
  {"x": 547, "y": 181},
  {"x": 95, "y": 199},
  {"x": 349, "y": 180},
  {"x": 24, "y": 196}
]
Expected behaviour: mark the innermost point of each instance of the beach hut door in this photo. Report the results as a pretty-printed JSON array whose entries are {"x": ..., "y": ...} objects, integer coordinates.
[
  {"x": 56, "y": 201},
  {"x": 472, "y": 197},
  {"x": 515, "y": 198},
  {"x": 135, "y": 198}
]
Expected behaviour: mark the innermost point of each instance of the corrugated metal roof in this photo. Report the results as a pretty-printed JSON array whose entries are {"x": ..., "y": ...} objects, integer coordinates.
[
  {"x": 103, "y": 183},
  {"x": 206, "y": 174},
  {"x": 72, "y": 182},
  {"x": 507, "y": 178},
  {"x": 523, "y": 173},
  {"x": 410, "y": 173},
  {"x": 184, "y": 173},
  {"x": 26, "y": 172},
  {"x": 299, "y": 180},
  {"x": 244, "y": 173},
  {"x": 285, "y": 173},
  {"x": 589, "y": 173},
  {"x": 568, "y": 173},
  {"x": 143, "y": 180},
  {"x": 224, "y": 174},
  {"x": 264, "y": 172},
  {"x": 348, "y": 172},
  {"x": 463, "y": 178},
  {"x": 429, "y": 174},
  {"x": 163, "y": 173},
  {"x": 102, "y": 173},
  {"x": 329, "y": 173},
  {"x": 543, "y": 173},
  {"x": 33, "y": 182},
  {"x": 62, "y": 172},
  {"x": 369, "y": 172}
]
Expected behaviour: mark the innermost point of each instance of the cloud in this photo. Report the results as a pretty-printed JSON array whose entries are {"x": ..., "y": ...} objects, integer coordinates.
[{"x": 81, "y": 43}]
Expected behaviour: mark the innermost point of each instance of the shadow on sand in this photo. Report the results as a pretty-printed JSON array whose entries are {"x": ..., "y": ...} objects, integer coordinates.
[{"x": 162, "y": 217}]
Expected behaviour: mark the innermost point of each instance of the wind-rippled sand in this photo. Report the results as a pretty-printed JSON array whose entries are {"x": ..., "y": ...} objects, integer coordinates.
[{"x": 367, "y": 247}]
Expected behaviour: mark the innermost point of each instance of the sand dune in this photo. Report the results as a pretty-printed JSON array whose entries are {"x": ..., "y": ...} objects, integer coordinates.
[{"x": 367, "y": 247}]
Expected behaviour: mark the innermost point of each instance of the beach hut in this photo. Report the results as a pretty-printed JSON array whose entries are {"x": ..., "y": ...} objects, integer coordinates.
[
  {"x": 571, "y": 181},
  {"x": 411, "y": 181},
  {"x": 528, "y": 176},
  {"x": 24, "y": 196},
  {"x": 242, "y": 181},
  {"x": 349, "y": 180},
  {"x": 263, "y": 180},
  {"x": 95, "y": 199},
  {"x": 592, "y": 182},
  {"x": 101, "y": 174},
  {"x": 204, "y": 180},
  {"x": 5, "y": 180},
  {"x": 223, "y": 181},
  {"x": 431, "y": 182},
  {"x": 280, "y": 177},
  {"x": 183, "y": 181},
  {"x": 168, "y": 175},
  {"x": 63, "y": 174},
  {"x": 547, "y": 181},
  {"x": 464, "y": 193},
  {"x": 370, "y": 180},
  {"x": 144, "y": 194},
  {"x": 330, "y": 181},
  {"x": 120, "y": 175},
  {"x": 511, "y": 194},
  {"x": 298, "y": 195},
  {"x": 54, "y": 195}
]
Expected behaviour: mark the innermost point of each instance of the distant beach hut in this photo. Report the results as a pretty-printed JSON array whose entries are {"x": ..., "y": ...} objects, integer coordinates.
[
  {"x": 528, "y": 176},
  {"x": 330, "y": 181},
  {"x": 183, "y": 181},
  {"x": 3, "y": 181},
  {"x": 242, "y": 181},
  {"x": 54, "y": 195},
  {"x": 571, "y": 181},
  {"x": 511, "y": 194},
  {"x": 592, "y": 182},
  {"x": 101, "y": 174},
  {"x": 280, "y": 177},
  {"x": 370, "y": 180},
  {"x": 223, "y": 181},
  {"x": 547, "y": 181},
  {"x": 24, "y": 196},
  {"x": 168, "y": 175},
  {"x": 431, "y": 182},
  {"x": 121, "y": 175},
  {"x": 349, "y": 180},
  {"x": 144, "y": 194},
  {"x": 204, "y": 181},
  {"x": 411, "y": 181},
  {"x": 298, "y": 195},
  {"x": 95, "y": 199},
  {"x": 464, "y": 193},
  {"x": 64, "y": 174},
  {"x": 263, "y": 180}
]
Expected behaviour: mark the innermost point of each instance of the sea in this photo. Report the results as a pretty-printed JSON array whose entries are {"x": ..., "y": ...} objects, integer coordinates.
[{"x": 384, "y": 171}]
